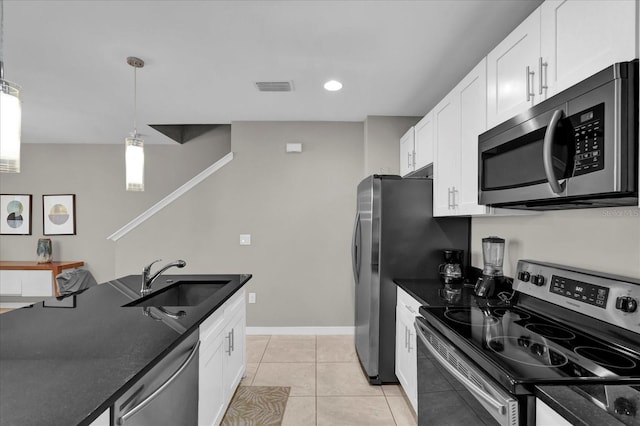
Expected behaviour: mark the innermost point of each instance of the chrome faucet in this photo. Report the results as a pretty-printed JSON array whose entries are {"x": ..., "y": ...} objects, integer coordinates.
[{"x": 148, "y": 280}]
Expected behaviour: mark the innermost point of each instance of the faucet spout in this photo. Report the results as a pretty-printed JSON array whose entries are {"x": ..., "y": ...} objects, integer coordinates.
[{"x": 147, "y": 279}]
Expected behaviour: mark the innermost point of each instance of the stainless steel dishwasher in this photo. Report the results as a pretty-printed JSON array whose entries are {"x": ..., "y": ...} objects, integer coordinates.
[{"x": 167, "y": 394}]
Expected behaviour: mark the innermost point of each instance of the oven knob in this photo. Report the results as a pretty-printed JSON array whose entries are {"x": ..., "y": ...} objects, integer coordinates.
[
  {"x": 537, "y": 280},
  {"x": 626, "y": 304},
  {"x": 524, "y": 276}
]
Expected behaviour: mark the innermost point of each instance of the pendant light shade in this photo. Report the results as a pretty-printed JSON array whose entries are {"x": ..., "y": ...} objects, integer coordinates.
[
  {"x": 134, "y": 145},
  {"x": 10, "y": 115},
  {"x": 134, "y": 160},
  {"x": 10, "y": 126}
]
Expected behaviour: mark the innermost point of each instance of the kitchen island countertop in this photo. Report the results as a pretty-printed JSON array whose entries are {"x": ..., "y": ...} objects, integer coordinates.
[{"x": 65, "y": 366}]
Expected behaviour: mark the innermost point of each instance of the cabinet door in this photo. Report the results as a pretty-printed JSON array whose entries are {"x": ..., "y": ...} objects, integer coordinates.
[
  {"x": 407, "y": 152},
  {"x": 446, "y": 164},
  {"x": 10, "y": 283},
  {"x": 234, "y": 353},
  {"x": 508, "y": 82},
  {"x": 401, "y": 349},
  {"x": 546, "y": 416},
  {"x": 472, "y": 94},
  {"x": 580, "y": 38},
  {"x": 211, "y": 397},
  {"x": 423, "y": 145},
  {"x": 37, "y": 283}
]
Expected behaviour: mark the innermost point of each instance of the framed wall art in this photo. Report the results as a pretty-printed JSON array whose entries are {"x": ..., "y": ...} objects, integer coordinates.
[
  {"x": 59, "y": 214},
  {"x": 15, "y": 211}
]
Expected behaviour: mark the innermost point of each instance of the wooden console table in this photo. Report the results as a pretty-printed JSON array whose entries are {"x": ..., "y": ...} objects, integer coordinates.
[{"x": 22, "y": 282}]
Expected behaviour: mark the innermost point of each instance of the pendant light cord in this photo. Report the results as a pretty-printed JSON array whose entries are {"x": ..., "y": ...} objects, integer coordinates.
[{"x": 135, "y": 102}]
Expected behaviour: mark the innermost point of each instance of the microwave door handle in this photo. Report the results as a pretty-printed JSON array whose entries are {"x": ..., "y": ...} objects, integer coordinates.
[{"x": 547, "y": 154}]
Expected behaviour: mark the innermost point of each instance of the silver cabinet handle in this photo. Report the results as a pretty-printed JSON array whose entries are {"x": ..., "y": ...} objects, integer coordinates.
[
  {"x": 162, "y": 387},
  {"x": 449, "y": 198},
  {"x": 453, "y": 197},
  {"x": 529, "y": 75},
  {"x": 409, "y": 159},
  {"x": 547, "y": 152},
  {"x": 471, "y": 386},
  {"x": 413, "y": 160},
  {"x": 409, "y": 348},
  {"x": 228, "y": 336},
  {"x": 410, "y": 309},
  {"x": 542, "y": 64},
  {"x": 233, "y": 340}
]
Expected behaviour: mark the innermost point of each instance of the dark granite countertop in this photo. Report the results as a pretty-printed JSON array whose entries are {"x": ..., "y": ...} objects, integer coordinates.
[
  {"x": 65, "y": 366},
  {"x": 587, "y": 405}
]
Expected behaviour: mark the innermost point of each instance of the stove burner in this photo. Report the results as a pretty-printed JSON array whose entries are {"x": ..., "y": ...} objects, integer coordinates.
[
  {"x": 525, "y": 351},
  {"x": 462, "y": 316},
  {"x": 550, "y": 331},
  {"x": 605, "y": 357},
  {"x": 499, "y": 312}
]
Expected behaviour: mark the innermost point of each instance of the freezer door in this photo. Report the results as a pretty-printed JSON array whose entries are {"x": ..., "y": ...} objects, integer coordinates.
[{"x": 367, "y": 287}]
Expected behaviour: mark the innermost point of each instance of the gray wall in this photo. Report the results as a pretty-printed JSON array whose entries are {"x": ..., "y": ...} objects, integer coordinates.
[
  {"x": 298, "y": 208},
  {"x": 605, "y": 239},
  {"x": 382, "y": 143},
  {"x": 95, "y": 174}
]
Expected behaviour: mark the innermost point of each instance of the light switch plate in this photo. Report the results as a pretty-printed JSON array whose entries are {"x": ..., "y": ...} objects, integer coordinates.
[
  {"x": 252, "y": 298},
  {"x": 245, "y": 239}
]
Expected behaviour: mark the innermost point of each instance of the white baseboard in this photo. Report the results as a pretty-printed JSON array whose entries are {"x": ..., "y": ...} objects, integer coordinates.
[{"x": 301, "y": 331}]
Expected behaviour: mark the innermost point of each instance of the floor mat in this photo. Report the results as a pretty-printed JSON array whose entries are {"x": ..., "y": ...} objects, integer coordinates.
[{"x": 257, "y": 406}]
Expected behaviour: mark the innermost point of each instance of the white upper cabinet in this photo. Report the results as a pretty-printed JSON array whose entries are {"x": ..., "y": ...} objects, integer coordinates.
[
  {"x": 560, "y": 44},
  {"x": 416, "y": 146},
  {"x": 580, "y": 38},
  {"x": 424, "y": 142},
  {"x": 459, "y": 118},
  {"x": 511, "y": 70},
  {"x": 407, "y": 152}
]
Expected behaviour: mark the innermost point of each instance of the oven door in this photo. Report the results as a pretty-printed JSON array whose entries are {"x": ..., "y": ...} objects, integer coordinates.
[{"x": 451, "y": 390}]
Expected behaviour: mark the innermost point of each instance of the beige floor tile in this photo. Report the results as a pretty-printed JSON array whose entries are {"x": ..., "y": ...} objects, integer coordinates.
[
  {"x": 249, "y": 374},
  {"x": 336, "y": 349},
  {"x": 290, "y": 349},
  {"x": 300, "y": 411},
  {"x": 354, "y": 411},
  {"x": 392, "y": 390},
  {"x": 401, "y": 410},
  {"x": 301, "y": 377},
  {"x": 344, "y": 379},
  {"x": 256, "y": 346}
]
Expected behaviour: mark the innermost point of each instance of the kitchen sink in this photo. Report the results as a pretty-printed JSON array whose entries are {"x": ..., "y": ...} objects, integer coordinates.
[{"x": 182, "y": 293}]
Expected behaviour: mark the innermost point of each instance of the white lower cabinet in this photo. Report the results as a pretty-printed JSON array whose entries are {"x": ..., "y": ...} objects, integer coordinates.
[
  {"x": 103, "y": 420},
  {"x": 406, "y": 359},
  {"x": 222, "y": 359},
  {"x": 26, "y": 283},
  {"x": 546, "y": 416}
]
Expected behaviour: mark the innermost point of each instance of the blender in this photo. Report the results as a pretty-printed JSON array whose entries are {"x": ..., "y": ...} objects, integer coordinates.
[{"x": 492, "y": 276}]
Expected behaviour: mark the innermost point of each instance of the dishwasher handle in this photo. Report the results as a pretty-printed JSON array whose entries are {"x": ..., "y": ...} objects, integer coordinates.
[{"x": 126, "y": 416}]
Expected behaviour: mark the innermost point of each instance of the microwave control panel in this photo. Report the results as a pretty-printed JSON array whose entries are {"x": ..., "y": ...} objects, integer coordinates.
[{"x": 588, "y": 132}]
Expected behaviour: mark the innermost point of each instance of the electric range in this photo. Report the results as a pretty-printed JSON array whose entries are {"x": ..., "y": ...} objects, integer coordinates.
[{"x": 563, "y": 326}]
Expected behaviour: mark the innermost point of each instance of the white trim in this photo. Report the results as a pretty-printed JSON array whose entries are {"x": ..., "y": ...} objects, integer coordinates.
[
  {"x": 300, "y": 331},
  {"x": 15, "y": 305},
  {"x": 170, "y": 198}
]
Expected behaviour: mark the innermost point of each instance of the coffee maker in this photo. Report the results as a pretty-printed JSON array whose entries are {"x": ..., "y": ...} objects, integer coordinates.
[
  {"x": 492, "y": 279},
  {"x": 451, "y": 270}
]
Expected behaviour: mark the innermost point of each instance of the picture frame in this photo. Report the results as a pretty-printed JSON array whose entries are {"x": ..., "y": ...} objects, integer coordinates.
[
  {"x": 67, "y": 302},
  {"x": 59, "y": 214},
  {"x": 15, "y": 214}
]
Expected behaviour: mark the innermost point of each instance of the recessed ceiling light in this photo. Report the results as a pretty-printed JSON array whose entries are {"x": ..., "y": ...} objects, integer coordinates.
[{"x": 332, "y": 85}]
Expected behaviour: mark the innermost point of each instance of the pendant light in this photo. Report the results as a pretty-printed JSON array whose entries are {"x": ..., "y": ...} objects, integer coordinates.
[
  {"x": 10, "y": 115},
  {"x": 134, "y": 151}
]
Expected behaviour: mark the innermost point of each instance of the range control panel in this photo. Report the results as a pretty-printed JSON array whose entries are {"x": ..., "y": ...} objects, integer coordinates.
[
  {"x": 578, "y": 290},
  {"x": 610, "y": 298}
]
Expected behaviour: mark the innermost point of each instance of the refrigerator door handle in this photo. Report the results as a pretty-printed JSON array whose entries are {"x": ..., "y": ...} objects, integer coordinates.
[{"x": 355, "y": 251}]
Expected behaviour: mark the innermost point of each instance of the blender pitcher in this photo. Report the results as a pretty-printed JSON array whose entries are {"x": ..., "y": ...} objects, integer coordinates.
[{"x": 493, "y": 256}]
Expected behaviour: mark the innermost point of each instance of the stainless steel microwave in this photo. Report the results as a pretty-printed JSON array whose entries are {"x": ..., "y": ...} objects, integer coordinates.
[{"x": 577, "y": 149}]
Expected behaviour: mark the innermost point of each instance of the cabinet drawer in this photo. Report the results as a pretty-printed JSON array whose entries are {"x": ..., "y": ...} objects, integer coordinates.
[
  {"x": 37, "y": 283},
  {"x": 407, "y": 302},
  {"x": 10, "y": 283}
]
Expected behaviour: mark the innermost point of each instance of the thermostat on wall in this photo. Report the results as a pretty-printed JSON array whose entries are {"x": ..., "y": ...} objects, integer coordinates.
[{"x": 294, "y": 147}]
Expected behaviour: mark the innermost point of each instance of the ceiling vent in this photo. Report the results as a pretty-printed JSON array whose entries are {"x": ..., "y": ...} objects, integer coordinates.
[{"x": 274, "y": 86}]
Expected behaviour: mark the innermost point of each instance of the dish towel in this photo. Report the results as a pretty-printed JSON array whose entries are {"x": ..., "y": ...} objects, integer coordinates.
[{"x": 74, "y": 281}]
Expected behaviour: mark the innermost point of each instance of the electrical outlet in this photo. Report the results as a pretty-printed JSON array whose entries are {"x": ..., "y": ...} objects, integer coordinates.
[
  {"x": 245, "y": 239},
  {"x": 252, "y": 298}
]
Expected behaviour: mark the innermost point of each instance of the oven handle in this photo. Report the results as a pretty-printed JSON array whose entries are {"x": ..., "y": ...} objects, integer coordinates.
[
  {"x": 472, "y": 387},
  {"x": 547, "y": 156}
]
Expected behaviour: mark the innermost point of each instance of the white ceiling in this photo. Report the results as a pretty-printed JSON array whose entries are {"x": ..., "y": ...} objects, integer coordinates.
[{"x": 203, "y": 57}]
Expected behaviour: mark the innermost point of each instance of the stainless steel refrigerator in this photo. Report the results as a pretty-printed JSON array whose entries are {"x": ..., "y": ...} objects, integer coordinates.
[{"x": 395, "y": 236}]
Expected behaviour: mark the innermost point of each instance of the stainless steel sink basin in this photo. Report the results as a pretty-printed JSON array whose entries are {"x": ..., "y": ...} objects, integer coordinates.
[{"x": 182, "y": 293}]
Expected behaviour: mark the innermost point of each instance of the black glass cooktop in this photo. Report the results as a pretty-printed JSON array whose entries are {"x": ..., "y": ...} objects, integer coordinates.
[{"x": 527, "y": 348}]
